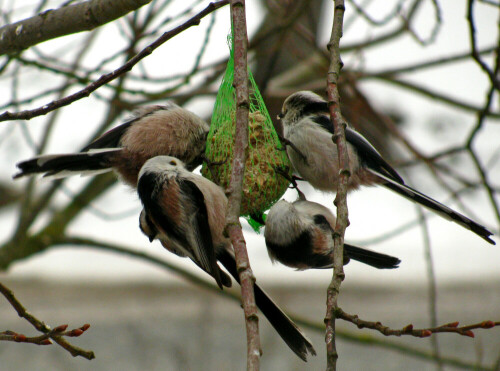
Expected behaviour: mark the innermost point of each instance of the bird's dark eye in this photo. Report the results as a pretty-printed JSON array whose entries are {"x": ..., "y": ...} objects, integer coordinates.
[
  {"x": 172, "y": 163},
  {"x": 281, "y": 115}
]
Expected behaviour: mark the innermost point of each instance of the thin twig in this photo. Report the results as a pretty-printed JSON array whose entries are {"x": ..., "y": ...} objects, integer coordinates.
[
  {"x": 393, "y": 13},
  {"x": 434, "y": 95},
  {"x": 481, "y": 117},
  {"x": 372, "y": 341},
  {"x": 344, "y": 173},
  {"x": 495, "y": 81},
  {"x": 451, "y": 327},
  {"x": 435, "y": 29},
  {"x": 55, "y": 334},
  {"x": 422, "y": 65}
]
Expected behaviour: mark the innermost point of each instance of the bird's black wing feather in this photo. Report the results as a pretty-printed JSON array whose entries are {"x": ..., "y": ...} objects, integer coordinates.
[
  {"x": 370, "y": 156},
  {"x": 324, "y": 121},
  {"x": 194, "y": 203},
  {"x": 208, "y": 260},
  {"x": 111, "y": 138},
  {"x": 366, "y": 152}
]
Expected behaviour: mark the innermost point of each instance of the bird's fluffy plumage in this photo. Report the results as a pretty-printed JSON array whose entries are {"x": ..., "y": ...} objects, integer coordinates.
[
  {"x": 186, "y": 212},
  {"x": 300, "y": 235},
  {"x": 306, "y": 124},
  {"x": 152, "y": 131}
]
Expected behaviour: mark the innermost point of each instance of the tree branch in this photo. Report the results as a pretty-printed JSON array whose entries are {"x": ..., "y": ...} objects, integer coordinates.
[
  {"x": 344, "y": 173},
  {"x": 55, "y": 334},
  {"x": 368, "y": 340},
  {"x": 409, "y": 330},
  {"x": 433, "y": 95},
  {"x": 63, "y": 21},
  {"x": 104, "y": 79},
  {"x": 495, "y": 82},
  {"x": 234, "y": 230}
]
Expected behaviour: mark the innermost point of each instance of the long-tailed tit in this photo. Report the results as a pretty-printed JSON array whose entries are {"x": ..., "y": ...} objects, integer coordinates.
[
  {"x": 300, "y": 235},
  {"x": 186, "y": 212},
  {"x": 152, "y": 131},
  {"x": 306, "y": 124}
]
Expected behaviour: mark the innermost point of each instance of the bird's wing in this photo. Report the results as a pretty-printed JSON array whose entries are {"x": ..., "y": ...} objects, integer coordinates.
[
  {"x": 178, "y": 210},
  {"x": 370, "y": 156},
  {"x": 204, "y": 250},
  {"x": 366, "y": 152},
  {"x": 111, "y": 138}
]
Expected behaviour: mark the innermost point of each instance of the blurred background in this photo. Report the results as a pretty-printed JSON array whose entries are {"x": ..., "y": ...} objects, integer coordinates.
[{"x": 419, "y": 81}]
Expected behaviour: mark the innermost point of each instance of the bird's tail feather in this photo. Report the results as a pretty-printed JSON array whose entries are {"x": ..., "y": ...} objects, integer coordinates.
[
  {"x": 61, "y": 165},
  {"x": 437, "y": 207},
  {"x": 372, "y": 258},
  {"x": 285, "y": 327}
]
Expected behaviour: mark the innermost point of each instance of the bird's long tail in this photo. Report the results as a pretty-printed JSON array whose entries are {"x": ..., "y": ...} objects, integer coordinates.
[
  {"x": 375, "y": 259},
  {"x": 285, "y": 327},
  {"x": 433, "y": 205},
  {"x": 62, "y": 165}
]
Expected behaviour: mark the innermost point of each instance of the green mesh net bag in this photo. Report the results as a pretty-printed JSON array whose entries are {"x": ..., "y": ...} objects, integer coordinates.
[{"x": 263, "y": 185}]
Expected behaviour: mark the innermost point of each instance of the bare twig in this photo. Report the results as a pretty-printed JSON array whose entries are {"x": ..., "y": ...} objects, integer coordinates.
[
  {"x": 387, "y": 36},
  {"x": 495, "y": 81},
  {"x": 409, "y": 330},
  {"x": 383, "y": 343},
  {"x": 55, "y": 334},
  {"x": 344, "y": 173},
  {"x": 45, "y": 338},
  {"x": 434, "y": 95},
  {"x": 393, "y": 13},
  {"x": 435, "y": 30},
  {"x": 422, "y": 65},
  {"x": 234, "y": 231},
  {"x": 481, "y": 117},
  {"x": 104, "y": 79}
]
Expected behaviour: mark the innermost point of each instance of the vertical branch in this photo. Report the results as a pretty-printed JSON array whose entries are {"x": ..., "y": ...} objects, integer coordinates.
[
  {"x": 341, "y": 198},
  {"x": 247, "y": 278},
  {"x": 495, "y": 81}
]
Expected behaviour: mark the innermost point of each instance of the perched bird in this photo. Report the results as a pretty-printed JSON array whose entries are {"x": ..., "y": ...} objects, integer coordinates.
[
  {"x": 307, "y": 125},
  {"x": 152, "y": 131},
  {"x": 300, "y": 235},
  {"x": 186, "y": 212}
]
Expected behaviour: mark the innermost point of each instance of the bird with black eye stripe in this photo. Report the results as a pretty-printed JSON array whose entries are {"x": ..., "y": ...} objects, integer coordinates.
[
  {"x": 187, "y": 214},
  {"x": 306, "y": 123},
  {"x": 300, "y": 235}
]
